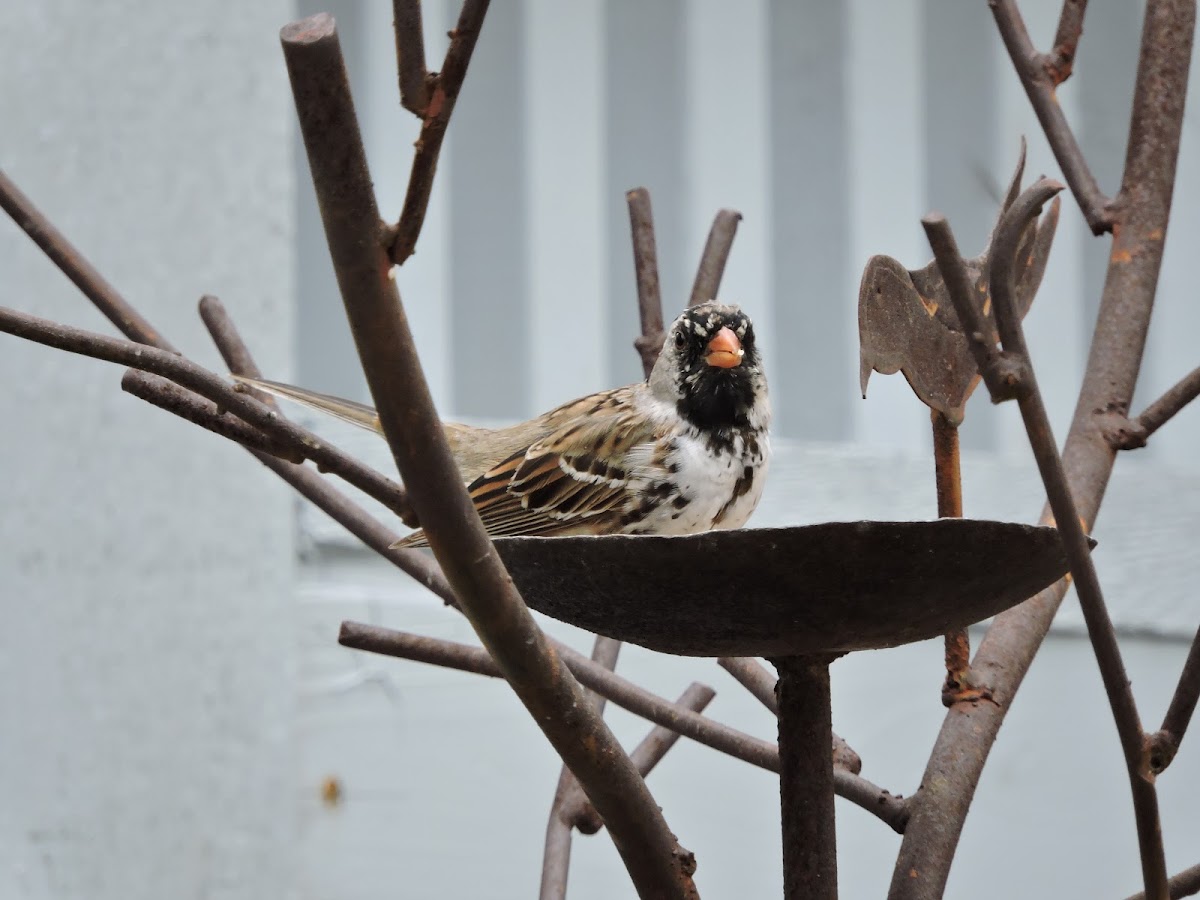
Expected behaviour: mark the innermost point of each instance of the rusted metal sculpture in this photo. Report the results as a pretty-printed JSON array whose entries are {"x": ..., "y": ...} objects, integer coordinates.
[{"x": 551, "y": 679}]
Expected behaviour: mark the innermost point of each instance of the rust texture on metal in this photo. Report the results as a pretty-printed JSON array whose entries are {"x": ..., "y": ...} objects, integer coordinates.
[
  {"x": 1060, "y": 61},
  {"x": 908, "y": 322},
  {"x": 709, "y": 272},
  {"x": 1087, "y": 583},
  {"x": 1039, "y": 81},
  {"x": 1183, "y": 884},
  {"x": 754, "y": 677},
  {"x": 291, "y": 438},
  {"x": 1164, "y": 743},
  {"x": 1142, "y": 213},
  {"x": 716, "y": 253},
  {"x": 414, "y": 78},
  {"x": 442, "y": 90},
  {"x": 887, "y": 807},
  {"x": 787, "y": 589},
  {"x": 806, "y": 780},
  {"x": 1130, "y": 434},
  {"x": 82, "y": 273},
  {"x": 947, "y": 470},
  {"x": 645, "y": 267},
  {"x": 410, "y": 424},
  {"x": 556, "y": 852},
  {"x": 758, "y": 680},
  {"x": 649, "y": 752},
  {"x": 171, "y": 397}
]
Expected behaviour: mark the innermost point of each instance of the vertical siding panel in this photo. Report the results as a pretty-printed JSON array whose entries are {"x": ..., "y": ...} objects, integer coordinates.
[
  {"x": 812, "y": 288},
  {"x": 565, "y": 252},
  {"x": 727, "y": 145},
  {"x": 965, "y": 151},
  {"x": 887, "y": 197},
  {"x": 644, "y": 113},
  {"x": 488, "y": 228}
]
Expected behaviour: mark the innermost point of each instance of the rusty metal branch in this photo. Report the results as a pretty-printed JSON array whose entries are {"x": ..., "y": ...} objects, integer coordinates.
[
  {"x": 181, "y": 402},
  {"x": 758, "y": 680},
  {"x": 1184, "y": 884},
  {"x": 556, "y": 855},
  {"x": 1164, "y": 743},
  {"x": 1000, "y": 372},
  {"x": 195, "y": 378},
  {"x": 1129, "y": 434},
  {"x": 890, "y": 808},
  {"x": 1039, "y": 85},
  {"x": 443, "y": 91},
  {"x": 969, "y": 731},
  {"x": 754, "y": 677},
  {"x": 646, "y": 755},
  {"x": 81, "y": 272},
  {"x": 715, "y": 255},
  {"x": 410, "y": 56},
  {"x": 657, "y": 865},
  {"x": 1062, "y": 504},
  {"x": 1060, "y": 61},
  {"x": 645, "y": 266},
  {"x": 947, "y": 471}
]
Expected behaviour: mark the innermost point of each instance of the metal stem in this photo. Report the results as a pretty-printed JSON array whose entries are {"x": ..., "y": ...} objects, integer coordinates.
[{"x": 806, "y": 779}]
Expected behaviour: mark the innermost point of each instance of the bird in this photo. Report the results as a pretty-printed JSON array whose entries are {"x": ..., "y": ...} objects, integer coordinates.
[{"x": 683, "y": 452}]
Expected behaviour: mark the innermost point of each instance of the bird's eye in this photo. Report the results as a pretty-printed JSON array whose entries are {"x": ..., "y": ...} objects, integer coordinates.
[{"x": 680, "y": 339}]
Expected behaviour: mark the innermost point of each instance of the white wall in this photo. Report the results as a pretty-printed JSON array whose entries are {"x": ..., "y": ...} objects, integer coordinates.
[{"x": 148, "y": 650}]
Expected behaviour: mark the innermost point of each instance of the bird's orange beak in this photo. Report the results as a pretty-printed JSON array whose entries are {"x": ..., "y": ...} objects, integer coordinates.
[{"x": 725, "y": 350}]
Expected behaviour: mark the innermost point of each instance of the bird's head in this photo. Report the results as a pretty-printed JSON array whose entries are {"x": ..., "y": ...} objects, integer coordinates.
[{"x": 709, "y": 367}]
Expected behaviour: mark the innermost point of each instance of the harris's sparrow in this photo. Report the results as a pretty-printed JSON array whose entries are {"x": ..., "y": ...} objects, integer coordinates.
[{"x": 683, "y": 452}]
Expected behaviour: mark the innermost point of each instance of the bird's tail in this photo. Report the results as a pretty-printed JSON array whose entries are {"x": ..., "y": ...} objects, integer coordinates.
[
  {"x": 347, "y": 410},
  {"x": 411, "y": 541}
]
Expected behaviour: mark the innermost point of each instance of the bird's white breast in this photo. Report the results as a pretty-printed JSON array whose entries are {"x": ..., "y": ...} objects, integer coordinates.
[{"x": 713, "y": 482}]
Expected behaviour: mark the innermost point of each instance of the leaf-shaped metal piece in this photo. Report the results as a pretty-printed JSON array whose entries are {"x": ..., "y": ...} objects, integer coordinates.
[{"x": 907, "y": 322}]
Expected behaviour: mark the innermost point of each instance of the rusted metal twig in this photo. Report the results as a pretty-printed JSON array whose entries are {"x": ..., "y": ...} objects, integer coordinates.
[
  {"x": 556, "y": 854},
  {"x": 169, "y": 396},
  {"x": 72, "y": 263},
  {"x": 1184, "y": 884},
  {"x": 1059, "y": 61},
  {"x": 1039, "y": 85},
  {"x": 196, "y": 378},
  {"x": 645, "y": 266},
  {"x": 886, "y": 806},
  {"x": 715, "y": 255},
  {"x": 1062, "y": 503},
  {"x": 969, "y": 730},
  {"x": 443, "y": 91},
  {"x": 754, "y": 677},
  {"x": 1001, "y": 373},
  {"x": 1129, "y": 434},
  {"x": 947, "y": 469},
  {"x": 655, "y": 862},
  {"x": 1164, "y": 743},
  {"x": 410, "y": 56},
  {"x": 646, "y": 755}
]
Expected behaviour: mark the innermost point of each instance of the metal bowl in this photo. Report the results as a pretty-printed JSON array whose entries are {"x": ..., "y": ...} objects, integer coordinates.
[{"x": 815, "y": 589}]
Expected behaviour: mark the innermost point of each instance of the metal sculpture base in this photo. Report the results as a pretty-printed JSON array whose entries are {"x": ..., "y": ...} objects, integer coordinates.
[{"x": 801, "y": 597}]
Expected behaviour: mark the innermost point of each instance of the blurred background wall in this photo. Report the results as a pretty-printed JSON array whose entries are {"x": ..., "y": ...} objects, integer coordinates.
[{"x": 185, "y": 724}]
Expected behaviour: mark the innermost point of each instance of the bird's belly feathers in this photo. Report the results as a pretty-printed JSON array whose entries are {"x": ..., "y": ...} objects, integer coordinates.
[{"x": 716, "y": 489}]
